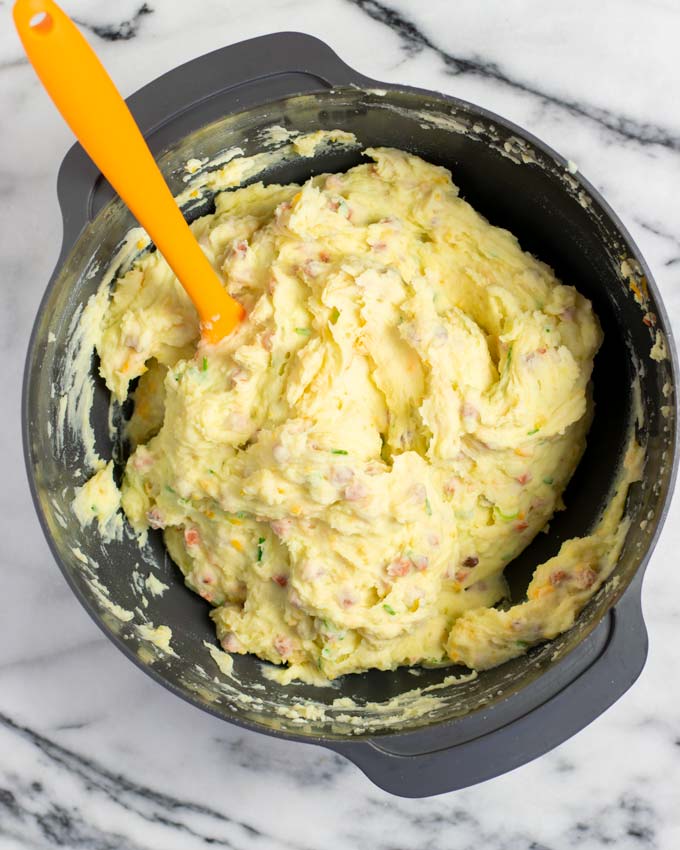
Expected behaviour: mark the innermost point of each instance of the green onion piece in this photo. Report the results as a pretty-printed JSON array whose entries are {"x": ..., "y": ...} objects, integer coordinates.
[
  {"x": 335, "y": 315},
  {"x": 260, "y": 549},
  {"x": 93, "y": 508},
  {"x": 212, "y": 472},
  {"x": 170, "y": 490},
  {"x": 339, "y": 452},
  {"x": 534, "y": 431},
  {"x": 522, "y": 644},
  {"x": 548, "y": 479},
  {"x": 428, "y": 507},
  {"x": 390, "y": 610},
  {"x": 205, "y": 364},
  {"x": 241, "y": 514},
  {"x": 303, "y": 331},
  {"x": 506, "y": 517}
]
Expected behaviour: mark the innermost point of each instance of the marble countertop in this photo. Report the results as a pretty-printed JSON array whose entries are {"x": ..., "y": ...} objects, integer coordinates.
[{"x": 93, "y": 754}]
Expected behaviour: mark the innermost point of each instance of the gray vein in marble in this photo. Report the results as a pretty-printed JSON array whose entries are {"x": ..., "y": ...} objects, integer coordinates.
[
  {"x": 67, "y": 828},
  {"x": 55, "y": 655},
  {"x": 123, "y": 31},
  {"x": 414, "y": 41}
]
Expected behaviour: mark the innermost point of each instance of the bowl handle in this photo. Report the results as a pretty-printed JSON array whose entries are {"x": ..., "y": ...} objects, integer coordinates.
[
  {"x": 232, "y": 78},
  {"x": 533, "y": 734}
]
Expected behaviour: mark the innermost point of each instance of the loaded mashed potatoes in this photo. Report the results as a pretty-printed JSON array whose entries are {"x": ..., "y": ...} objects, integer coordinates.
[{"x": 345, "y": 477}]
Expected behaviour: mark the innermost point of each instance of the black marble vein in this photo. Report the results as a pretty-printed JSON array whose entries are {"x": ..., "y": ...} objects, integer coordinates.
[
  {"x": 123, "y": 31},
  {"x": 66, "y": 827},
  {"x": 414, "y": 41}
]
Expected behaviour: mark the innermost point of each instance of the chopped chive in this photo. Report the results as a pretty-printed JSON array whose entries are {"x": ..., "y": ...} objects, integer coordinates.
[
  {"x": 506, "y": 517},
  {"x": 335, "y": 315},
  {"x": 508, "y": 359},
  {"x": 170, "y": 490},
  {"x": 93, "y": 508},
  {"x": 548, "y": 479},
  {"x": 212, "y": 472},
  {"x": 241, "y": 514},
  {"x": 177, "y": 377},
  {"x": 534, "y": 431},
  {"x": 205, "y": 364},
  {"x": 326, "y": 652},
  {"x": 303, "y": 331},
  {"x": 522, "y": 644},
  {"x": 339, "y": 452},
  {"x": 260, "y": 549},
  {"x": 428, "y": 507},
  {"x": 390, "y": 610}
]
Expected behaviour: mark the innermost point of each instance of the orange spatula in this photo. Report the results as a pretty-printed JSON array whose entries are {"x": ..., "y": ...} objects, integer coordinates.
[{"x": 91, "y": 105}]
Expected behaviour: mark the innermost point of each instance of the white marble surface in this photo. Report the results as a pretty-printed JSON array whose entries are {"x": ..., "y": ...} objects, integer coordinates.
[{"x": 93, "y": 754}]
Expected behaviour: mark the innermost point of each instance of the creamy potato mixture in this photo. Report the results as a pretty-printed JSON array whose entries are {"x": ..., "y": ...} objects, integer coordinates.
[{"x": 346, "y": 477}]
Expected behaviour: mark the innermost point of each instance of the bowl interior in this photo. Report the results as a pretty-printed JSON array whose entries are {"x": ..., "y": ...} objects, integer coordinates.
[{"x": 515, "y": 184}]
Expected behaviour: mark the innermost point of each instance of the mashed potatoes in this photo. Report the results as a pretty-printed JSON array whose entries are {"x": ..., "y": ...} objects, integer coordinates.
[{"x": 346, "y": 477}]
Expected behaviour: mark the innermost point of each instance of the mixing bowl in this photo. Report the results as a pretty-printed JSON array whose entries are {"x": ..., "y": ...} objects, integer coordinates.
[{"x": 418, "y": 732}]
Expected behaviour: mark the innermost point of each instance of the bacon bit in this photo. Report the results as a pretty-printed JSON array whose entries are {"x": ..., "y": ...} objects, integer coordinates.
[
  {"x": 324, "y": 256},
  {"x": 355, "y": 491},
  {"x": 240, "y": 248},
  {"x": 341, "y": 475},
  {"x": 585, "y": 578},
  {"x": 282, "y": 581},
  {"x": 191, "y": 536},
  {"x": 461, "y": 575},
  {"x": 347, "y": 600},
  {"x": 450, "y": 487},
  {"x": 420, "y": 562},
  {"x": 230, "y": 643},
  {"x": 558, "y": 577},
  {"x": 542, "y": 349},
  {"x": 283, "y": 645},
  {"x": 524, "y": 478},
  {"x": 649, "y": 319},
  {"x": 281, "y": 527},
  {"x": 471, "y": 561},
  {"x": 469, "y": 411},
  {"x": 378, "y": 246},
  {"x": 400, "y": 566},
  {"x": 521, "y": 526},
  {"x": 142, "y": 460},
  {"x": 155, "y": 518}
]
